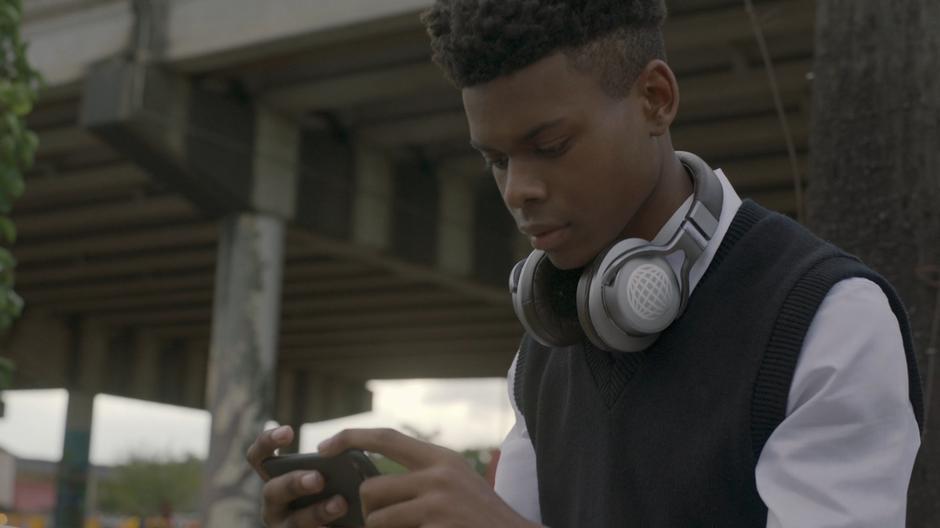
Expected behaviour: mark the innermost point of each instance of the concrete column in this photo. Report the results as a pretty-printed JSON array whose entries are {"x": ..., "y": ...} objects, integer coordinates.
[
  {"x": 455, "y": 224},
  {"x": 242, "y": 357},
  {"x": 372, "y": 207},
  {"x": 73, "y": 469},
  {"x": 495, "y": 236},
  {"x": 275, "y": 166},
  {"x": 85, "y": 364},
  {"x": 291, "y": 388}
]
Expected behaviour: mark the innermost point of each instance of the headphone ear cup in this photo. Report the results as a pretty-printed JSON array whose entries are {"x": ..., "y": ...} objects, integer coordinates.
[
  {"x": 644, "y": 297},
  {"x": 627, "y": 314},
  {"x": 543, "y": 298}
]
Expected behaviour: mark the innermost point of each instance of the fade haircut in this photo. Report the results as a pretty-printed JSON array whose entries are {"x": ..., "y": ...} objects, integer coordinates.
[{"x": 476, "y": 41}]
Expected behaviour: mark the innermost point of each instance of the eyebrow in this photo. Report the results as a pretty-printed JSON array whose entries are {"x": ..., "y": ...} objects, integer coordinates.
[{"x": 528, "y": 136}]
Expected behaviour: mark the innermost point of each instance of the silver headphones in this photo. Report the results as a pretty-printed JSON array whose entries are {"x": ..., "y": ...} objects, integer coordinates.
[{"x": 629, "y": 294}]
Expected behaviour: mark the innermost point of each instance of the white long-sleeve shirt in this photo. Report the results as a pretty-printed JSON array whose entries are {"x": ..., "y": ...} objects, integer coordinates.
[{"x": 843, "y": 455}]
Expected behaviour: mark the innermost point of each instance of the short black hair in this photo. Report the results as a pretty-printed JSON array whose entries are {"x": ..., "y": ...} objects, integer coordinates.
[{"x": 476, "y": 41}]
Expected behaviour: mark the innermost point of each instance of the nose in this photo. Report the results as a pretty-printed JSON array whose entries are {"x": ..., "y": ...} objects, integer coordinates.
[{"x": 522, "y": 186}]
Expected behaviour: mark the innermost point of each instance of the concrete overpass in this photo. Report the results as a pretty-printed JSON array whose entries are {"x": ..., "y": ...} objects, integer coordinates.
[{"x": 254, "y": 207}]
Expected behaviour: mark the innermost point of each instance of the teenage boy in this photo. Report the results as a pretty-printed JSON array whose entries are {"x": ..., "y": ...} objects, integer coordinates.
[{"x": 689, "y": 360}]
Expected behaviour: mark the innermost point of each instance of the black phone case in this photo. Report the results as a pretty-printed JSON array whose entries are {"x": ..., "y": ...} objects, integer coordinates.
[{"x": 343, "y": 474}]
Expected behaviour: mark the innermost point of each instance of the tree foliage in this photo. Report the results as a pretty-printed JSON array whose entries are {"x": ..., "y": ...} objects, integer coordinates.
[
  {"x": 19, "y": 85},
  {"x": 148, "y": 486}
]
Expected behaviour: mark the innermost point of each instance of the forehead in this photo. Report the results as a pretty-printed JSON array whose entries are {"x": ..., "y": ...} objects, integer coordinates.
[{"x": 550, "y": 89}]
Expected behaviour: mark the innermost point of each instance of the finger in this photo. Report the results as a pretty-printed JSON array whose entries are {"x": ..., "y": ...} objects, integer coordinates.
[
  {"x": 319, "y": 514},
  {"x": 407, "y": 451},
  {"x": 265, "y": 445},
  {"x": 280, "y": 491},
  {"x": 410, "y": 513},
  {"x": 382, "y": 491}
]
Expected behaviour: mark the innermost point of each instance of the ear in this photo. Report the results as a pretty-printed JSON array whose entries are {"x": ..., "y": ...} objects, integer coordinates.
[{"x": 659, "y": 90}]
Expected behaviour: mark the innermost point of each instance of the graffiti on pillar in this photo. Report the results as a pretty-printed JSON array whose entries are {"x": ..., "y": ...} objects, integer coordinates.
[{"x": 241, "y": 366}]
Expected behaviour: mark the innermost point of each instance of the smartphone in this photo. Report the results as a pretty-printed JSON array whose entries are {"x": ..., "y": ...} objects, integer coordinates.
[{"x": 342, "y": 473}]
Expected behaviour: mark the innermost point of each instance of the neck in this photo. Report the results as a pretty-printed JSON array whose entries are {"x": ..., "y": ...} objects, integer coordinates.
[{"x": 673, "y": 186}]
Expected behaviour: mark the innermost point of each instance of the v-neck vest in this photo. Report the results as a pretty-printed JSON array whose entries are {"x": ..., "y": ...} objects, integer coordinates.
[{"x": 670, "y": 436}]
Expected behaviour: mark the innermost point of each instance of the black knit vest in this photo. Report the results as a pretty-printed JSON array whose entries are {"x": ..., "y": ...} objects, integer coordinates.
[{"x": 670, "y": 437}]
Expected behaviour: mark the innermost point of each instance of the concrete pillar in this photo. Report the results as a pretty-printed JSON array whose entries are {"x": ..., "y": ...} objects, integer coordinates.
[
  {"x": 291, "y": 388},
  {"x": 372, "y": 207},
  {"x": 85, "y": 363},
  {"x": 275, "y": 168},
  {"x": 495, "y": 236},
  {"x": 73, "y": 469},
  {"x": 242, "y": 358},
  {"x": 456, "y": 222}
]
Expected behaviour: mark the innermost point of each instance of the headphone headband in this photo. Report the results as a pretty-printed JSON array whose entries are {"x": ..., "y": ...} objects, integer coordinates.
[{"x": 699, "y": 224}]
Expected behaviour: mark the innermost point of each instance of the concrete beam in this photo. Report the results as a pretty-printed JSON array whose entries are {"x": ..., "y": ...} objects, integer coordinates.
[
  {"x": 728, "y": 93},
  {"x": 198, "y": 143},
  {"x": 65, "y": 42},
  {"x": 54, "y": 189},
  {"x": 40, "y": 294},
  {"x": 124, "y": 213},
  {"x": 63, "y": 47},
  {"x": 701, "y": 30},
  {"x": 55, "y": 142},
  {"x": 420, "y": 130},
  {"x": 378, "y": 260},
  {"x": 144, "y": 290},
  {"x": 358, "y": 88},
  {"x": 104, "y": 269},
  {"x": 753, "y": 174},
  {"x": 751, "y": 136},
  {"x": 702, "y": 95},
  {"x": 246, "y": 29},
  {"x": 143, "y": 239}
]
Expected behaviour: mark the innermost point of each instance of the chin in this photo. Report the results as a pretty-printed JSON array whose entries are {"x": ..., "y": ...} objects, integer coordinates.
[{"x": 567, "y": 261}]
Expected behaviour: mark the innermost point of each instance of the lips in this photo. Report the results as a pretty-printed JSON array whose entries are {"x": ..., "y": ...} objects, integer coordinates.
[{"x": 545, "y": 236}]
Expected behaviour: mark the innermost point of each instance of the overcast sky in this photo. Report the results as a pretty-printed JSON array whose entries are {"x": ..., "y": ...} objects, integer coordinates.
[{"x": 462, "y": 414}]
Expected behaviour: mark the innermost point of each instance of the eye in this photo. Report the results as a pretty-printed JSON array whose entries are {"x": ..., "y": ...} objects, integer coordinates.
[
  {"x": 554, "y": 149},
  {"x": 496, "y": 163}
]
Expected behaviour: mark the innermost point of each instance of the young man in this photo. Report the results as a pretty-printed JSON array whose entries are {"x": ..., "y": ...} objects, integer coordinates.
[{"x": 776, "y": 386}]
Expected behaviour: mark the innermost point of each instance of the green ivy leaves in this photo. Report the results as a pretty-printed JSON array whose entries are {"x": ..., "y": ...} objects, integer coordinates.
[{"x": 19, "y": 86}]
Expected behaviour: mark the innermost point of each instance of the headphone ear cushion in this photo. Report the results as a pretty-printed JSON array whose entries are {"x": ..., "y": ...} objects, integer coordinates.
[{"x": 544, "y": 298}]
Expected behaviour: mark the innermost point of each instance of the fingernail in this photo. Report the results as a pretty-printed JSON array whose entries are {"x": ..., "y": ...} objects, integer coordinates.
[
  {"x": 334, "y": 506},
  {"x": 311, "y": 481},
  {"x": 281, "y": 433}
]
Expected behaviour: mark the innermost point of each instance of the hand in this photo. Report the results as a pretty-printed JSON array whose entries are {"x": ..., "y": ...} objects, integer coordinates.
[
  {"x": 440, "y": 489},
  {"x": 278, "y": 492}
]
